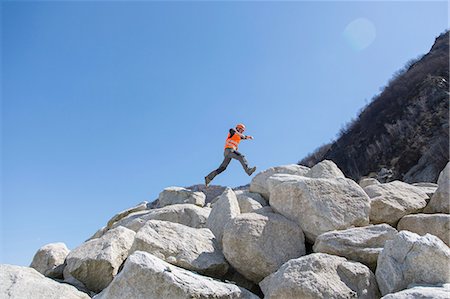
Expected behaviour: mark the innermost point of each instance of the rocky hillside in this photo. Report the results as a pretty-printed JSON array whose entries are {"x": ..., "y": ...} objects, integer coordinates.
[
  {"x": 404, "y": 129},
  {"x": 296, "y": 232}
]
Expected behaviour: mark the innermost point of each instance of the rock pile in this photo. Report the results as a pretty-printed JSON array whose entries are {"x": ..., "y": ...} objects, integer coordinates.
[{"x": 294, "y": 233}]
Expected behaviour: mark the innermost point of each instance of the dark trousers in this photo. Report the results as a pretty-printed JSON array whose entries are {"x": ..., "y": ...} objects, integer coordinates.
[{"x": 229, "y": 154}]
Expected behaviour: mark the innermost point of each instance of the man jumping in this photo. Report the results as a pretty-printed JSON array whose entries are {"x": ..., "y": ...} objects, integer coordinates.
[{"x": 231, "y": 146}]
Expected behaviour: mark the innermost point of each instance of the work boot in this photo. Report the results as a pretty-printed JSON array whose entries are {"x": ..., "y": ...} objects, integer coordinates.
[
  {"x": 207, "y": 181},
  {"x": 251, "y": 170}
]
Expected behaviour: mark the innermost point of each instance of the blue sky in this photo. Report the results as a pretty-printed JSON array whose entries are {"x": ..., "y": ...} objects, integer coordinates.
[{"x": 104, "y": 104}]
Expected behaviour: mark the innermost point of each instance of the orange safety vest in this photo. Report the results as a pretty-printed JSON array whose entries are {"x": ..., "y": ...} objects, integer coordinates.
[{"x": 233, "y": 142}]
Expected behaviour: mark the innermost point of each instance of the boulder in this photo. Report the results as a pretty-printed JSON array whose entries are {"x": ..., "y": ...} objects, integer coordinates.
[
  {"x": 320, "y": 275},
  {"x": 259, "y": 181},
  {"x": 140, "y": 207},
  {"x": 190, "y": 248},
  {"x": 360, "y": 244},
  {"x": 422, "y": 292},
  {"x": 280, "y": 178},
  {"x": 440, "y": 201},
  {"x": 225, "y": 209},
  {"x": 368, "y": 182},
  {"x": 326, "y": 170},
  {"x": 49, "y": 260},
  {"x": 96, "y": 262},
  {"x": 23, "y": 283},
  {"x": 428, "y": 188},
  {"x": 412, "y": 259},
  {"x": 186, "y": 214},
  {"x": 322, "y": 205},
  {"x": 179, "y": 195},
  {"x": 391, "y": 201},
  {"x": 249, "y": 201},
  {"x": 146, "y": 276},
  {"x": 258, "y": 244},
  {"x": 422, "y": 224}
]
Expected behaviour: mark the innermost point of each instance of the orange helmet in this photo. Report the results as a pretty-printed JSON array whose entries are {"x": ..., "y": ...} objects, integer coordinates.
[{"x": 240, "y": 126}]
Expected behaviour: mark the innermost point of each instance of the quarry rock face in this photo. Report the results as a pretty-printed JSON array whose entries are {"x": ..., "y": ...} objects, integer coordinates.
[
  {"x": 259, "y": 182},
  {"x": 258, "y": 244},
  {"x": 412, "y": 259},
  {"x": 23, "y": 282},
  {"x": 360, "y": 244},
  {"x": 190, "y": 248},
  {"x": 96, "y": 262},
  {"x": 320, "y": 275},
  {"x": 146, "y": 276},
  {"x": 49, "y": 260},
  {"x": 389, "y": 202},
  {"x": 322, "y": 205}
]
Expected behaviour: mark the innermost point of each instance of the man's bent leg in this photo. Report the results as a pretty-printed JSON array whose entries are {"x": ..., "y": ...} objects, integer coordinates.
[{"x": 241, "y": 158}]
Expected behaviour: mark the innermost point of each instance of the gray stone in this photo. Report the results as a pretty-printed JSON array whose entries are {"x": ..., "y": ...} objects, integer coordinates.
[
  {"x": 225, "y": 209},
  {"x": 428, "y": 188},
  {"x": 360, "y": 244},
  {"x": 190, "y": 248},
  {"x": 368, "y": 182},
  {"x": 258, "y": 244},
  {"x": 326, "y": 170},
  {"x": 412, "y": 259},
  {"x": 322, "y": 205},
  {"x": 140, "y": 207},
  {"x": 27, "y": 283},
  {"x": 391, "y": 201},
  {"x": 186, "y": 214},
  {"x": 249, "y": 201},
  {"x": 96, "y": 262},
  {"x": 49, "y": 260},
  {"x": 422, "y": 292},
  {"x": 146, "y": 276},
  {"x": 179, "y": 195},
  {"x": 422, "y": 224},
  {"x": 440, "y": 201},
  {"x": 320, "y": 275},
  {"x": 259, "y": 182}
]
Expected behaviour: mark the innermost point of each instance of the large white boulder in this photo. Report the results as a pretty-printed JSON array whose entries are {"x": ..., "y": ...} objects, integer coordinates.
[
  {"x": 422, "y": 224},
  {"x": 186, "y": 214},
  {"x": 326, "y": 170},
  {"x": 225, "y": 209},
  {"x": 96, "y": 262},
  {"x": 322, "y": 205},
  {"x": 422, "y": 292},
  {"x": 440, "y": 201},
  {"x": 190, "y": 248},
  {"x": 49, "y": 259},
  {"x": 412, "y": 259},
  {"x": 180, "y": 195},
  {"x": 249, "y": 201},
  {"x": 259, "y": 181},
  {"x": 258, "y": 244},
  {"x": 391, "y": 201},
  {"x": 320, "y": 275},
  {"x": 146, "y": 276},
  {"x": 360, "y": 244},
  {"x": 26, "y": 283},
  {"x": 280, "y": 178},
  {"x": 140, "y": 207},
  {"x": 428, "y": 188}
]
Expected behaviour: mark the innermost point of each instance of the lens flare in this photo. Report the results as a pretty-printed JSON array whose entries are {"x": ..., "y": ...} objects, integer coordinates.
[{"x": 360, "y": 33}]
